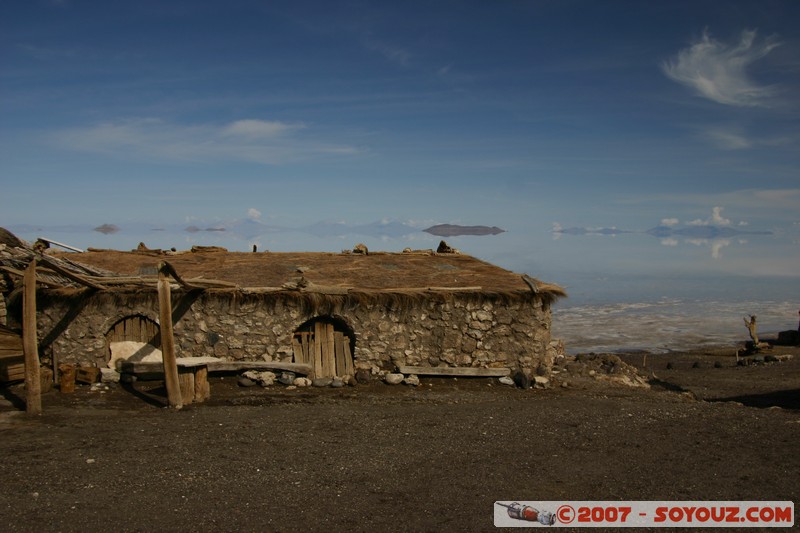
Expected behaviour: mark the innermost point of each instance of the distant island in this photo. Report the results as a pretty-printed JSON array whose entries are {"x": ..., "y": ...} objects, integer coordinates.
[
  {"x": 693, "y": 232},
  {"x": 590, "y": 231},
  {"x": 107, "y": 229},
  {"x": 454, "y": 230}
]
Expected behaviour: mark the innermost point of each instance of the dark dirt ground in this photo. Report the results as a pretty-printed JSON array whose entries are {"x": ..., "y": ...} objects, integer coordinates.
[{"x": 394, "y": 458}]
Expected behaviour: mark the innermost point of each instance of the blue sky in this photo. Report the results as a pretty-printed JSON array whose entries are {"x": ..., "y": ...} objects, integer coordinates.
[{"x": 519, "y": 114}]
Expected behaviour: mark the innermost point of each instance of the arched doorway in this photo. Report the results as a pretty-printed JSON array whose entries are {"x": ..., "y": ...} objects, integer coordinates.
[
  {"x": 133, "y": 338},
  {"x": 327, "y": 344}
]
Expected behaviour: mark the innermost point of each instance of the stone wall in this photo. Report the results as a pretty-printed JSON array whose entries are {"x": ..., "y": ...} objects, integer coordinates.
[{"x": 441, "y": 330}]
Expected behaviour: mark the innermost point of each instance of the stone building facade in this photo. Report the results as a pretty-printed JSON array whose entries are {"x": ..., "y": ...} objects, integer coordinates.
[{"x": 468, "y": 329}]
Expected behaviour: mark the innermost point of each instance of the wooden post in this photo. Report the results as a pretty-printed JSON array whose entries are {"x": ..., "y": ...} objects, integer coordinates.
[
  {"x": 30, "y": 344},
  {"x": 174, "y": 396},
  {"x": 186, "y": 381}
]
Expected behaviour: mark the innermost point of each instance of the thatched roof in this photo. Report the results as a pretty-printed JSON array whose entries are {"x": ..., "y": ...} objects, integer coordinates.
[
  {"x": 376, "y": 271},
  {"x": 331, "y": 273}
]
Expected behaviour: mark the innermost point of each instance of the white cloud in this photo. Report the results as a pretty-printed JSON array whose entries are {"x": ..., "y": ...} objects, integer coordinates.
[
  {"x": 718, "y": 71},
  {"x": 669, "y": 241},
  {"x": 253, "y": 214},
  {"x": 716, "y": 219},
  {"x": 251, "y": 140},
  {"x": 670, "y": 221}
]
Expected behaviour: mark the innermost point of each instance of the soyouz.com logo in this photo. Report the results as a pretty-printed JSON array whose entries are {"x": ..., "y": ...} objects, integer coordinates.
[{"x": 694, "y": 514}]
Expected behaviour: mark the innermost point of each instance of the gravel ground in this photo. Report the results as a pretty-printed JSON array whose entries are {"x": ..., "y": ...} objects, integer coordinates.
[{"x": 398, "y": 458}]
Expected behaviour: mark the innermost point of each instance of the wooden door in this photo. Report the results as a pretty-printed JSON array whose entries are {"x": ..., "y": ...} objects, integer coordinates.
[
  {"x": 135, "y": 328},
  {"x": 325, "y": 349}
]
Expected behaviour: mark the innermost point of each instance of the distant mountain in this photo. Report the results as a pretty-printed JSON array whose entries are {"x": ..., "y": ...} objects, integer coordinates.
[
  {"x": 591, "y": 231},
  {"x": 454, "y": 230},
  {"x": 107, "y": 229}
]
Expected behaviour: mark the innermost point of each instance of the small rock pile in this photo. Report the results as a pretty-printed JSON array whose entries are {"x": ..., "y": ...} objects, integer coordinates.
[
  {"x": 569, "y": 369},
  {"x": 252, "y": 378}
]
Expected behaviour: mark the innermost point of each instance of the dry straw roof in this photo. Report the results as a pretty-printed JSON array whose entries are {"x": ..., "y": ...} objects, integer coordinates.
[
  {"x": 376, "y": 271},
  {"x": 310, "y": 272}
]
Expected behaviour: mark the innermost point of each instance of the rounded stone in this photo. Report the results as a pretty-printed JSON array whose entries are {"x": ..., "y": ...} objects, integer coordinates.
[
  {"x": 412, "y": 380},
  {"x": 393, "y": 379},
  {"x": 287, "y": 378}
]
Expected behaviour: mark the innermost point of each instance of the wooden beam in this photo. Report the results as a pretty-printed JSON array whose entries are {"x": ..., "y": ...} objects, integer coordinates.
[
  {"x": 138, "y": 367},
  {"x": 531, "y": 283},
  {"x": 62, "y": 245},
  {"x": 21, "y": 274},
  {"x": 455, "y": 371},
  {"x": 30, "y": 343},
  {"x": 168, "y": 269},
  {"x": 168, "y": 343},
  {"x": 71, "y": 275}
]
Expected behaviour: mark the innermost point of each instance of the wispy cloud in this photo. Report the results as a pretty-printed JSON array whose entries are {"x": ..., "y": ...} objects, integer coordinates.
[
  {"x": 393, "y": 53},
  {"x": 718, "y": 71},
  {"x": 727, "y": 139},
  {"x": 251, "y": 140},
  {"x": 258, "y": 129}
]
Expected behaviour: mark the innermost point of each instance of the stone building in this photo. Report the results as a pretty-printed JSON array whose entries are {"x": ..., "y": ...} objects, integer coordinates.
[{"x": 339, "y": 312}]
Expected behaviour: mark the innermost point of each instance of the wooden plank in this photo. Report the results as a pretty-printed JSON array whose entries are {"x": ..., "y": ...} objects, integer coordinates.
[
  {"x": 454, "y": 371},
  {"x": 202, "y": 389},
  {"x": 30, "y": 343},
  {"x": 348, "y": 358},
  {"x": 10, "y": 352},
  {"x": 330, "y": 351},
  {"x": 138, "y": 367},
  {"x": 319, "y": 370},
  {"x": 61, "y": 244},
  {"x": 174, "y": 396},
  {"x": 338, "y": 338},
  {"x": 12, "y": 371},
  {"x": 297, "y": 350},
  {"x": 71, "y": 275},
  {"x": 305, "y": 340},
  {"x": 21, "y": 274},
  {"x": 11, "y": 345}
]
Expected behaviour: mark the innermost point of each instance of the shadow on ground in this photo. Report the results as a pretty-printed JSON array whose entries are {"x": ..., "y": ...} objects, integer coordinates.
[{"x": 785, "y": 399}]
